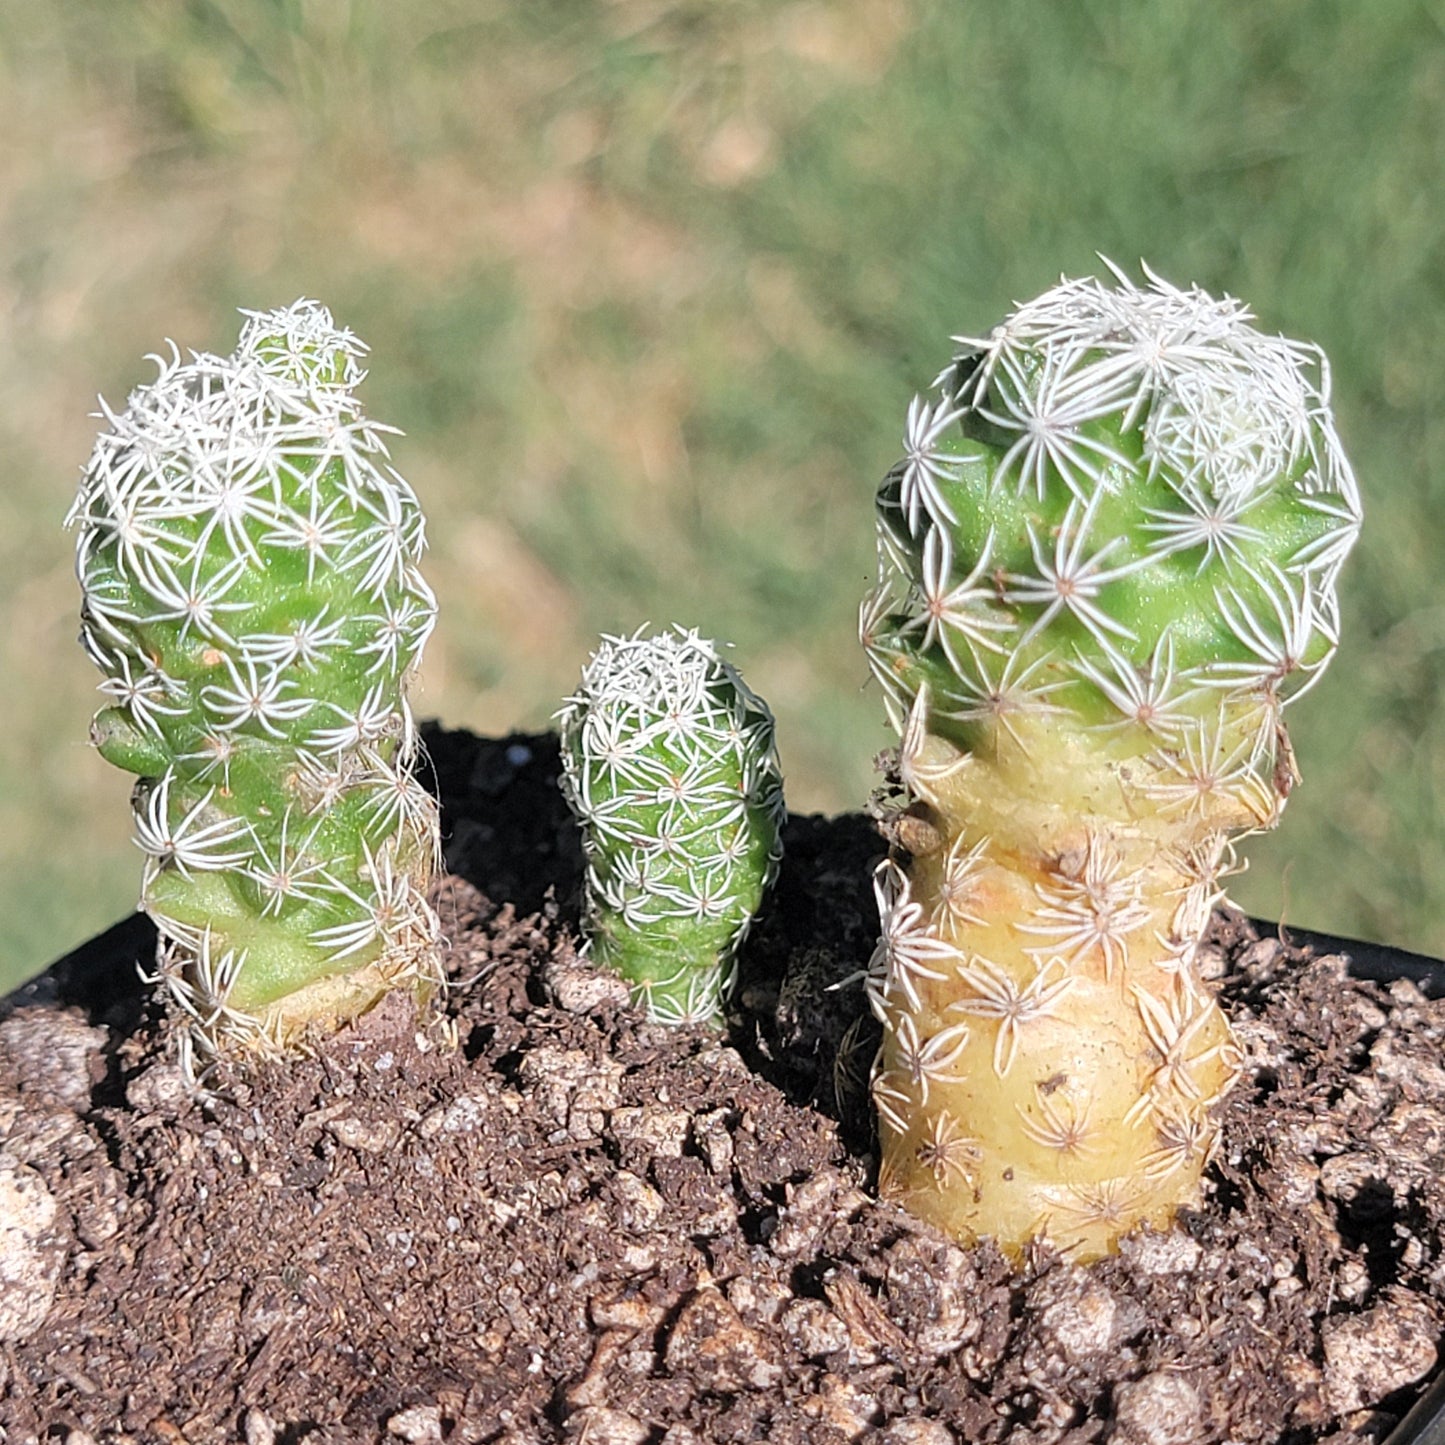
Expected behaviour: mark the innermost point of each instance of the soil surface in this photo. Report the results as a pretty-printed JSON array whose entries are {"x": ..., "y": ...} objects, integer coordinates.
[{"x": 541, "y": 1219}]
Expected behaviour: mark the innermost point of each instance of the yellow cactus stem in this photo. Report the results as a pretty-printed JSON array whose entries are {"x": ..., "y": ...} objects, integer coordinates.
[
  {"x": 1107, "y": 561},
  {"x": 1051, "y": 1058}
]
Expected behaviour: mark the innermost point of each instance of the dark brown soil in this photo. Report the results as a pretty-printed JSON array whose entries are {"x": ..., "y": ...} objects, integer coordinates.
[{"x": 543, "y": 1220}]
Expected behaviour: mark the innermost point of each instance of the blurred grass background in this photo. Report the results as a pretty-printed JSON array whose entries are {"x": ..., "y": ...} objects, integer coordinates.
[{"x": 649, "y": 286}]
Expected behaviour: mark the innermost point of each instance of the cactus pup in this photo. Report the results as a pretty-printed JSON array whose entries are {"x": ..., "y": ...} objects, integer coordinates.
[
  {"x": 670, "y": 768},
  {"x": 1107, "y": 561},
  {"x": 248, "y": 562}
]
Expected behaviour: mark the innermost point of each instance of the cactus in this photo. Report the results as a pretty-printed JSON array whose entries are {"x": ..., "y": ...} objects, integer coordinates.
[
  {"x": 670, "y": 769},
  {"x": 248, "y": 561},
  {"x": 1107, "y": 560}
]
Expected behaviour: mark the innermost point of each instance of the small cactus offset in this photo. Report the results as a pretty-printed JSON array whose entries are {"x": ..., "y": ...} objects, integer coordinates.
[
  {"x": 1107, "y": 561},
  {"x": 248, "y": 560},
  {"x": 670, "y": 768}
]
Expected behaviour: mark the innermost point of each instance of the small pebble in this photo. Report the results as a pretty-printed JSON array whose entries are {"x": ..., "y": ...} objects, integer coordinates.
[
  {"x": 260, "y": 1428},
  {"x": 916, "y": 1432},
  {"x": 1370, "y": 1355},
  {"x": 1161, "y": 1409},
  {"x": 597, "y": 1425},
  {"x": 420, "y": 1424},
  {"x": 1082, "y": 1323},
  {"x": 32, "y": 1250},
  {"x": 710, "y": 1341},
  {"x": 52, "y": 1054}
]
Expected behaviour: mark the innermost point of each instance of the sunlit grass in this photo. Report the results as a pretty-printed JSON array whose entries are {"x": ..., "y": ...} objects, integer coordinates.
[{"x": 649, "y": 286}]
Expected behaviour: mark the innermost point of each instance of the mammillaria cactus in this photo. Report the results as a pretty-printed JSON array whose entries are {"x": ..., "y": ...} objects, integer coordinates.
[
  {"x": 248, "y": 560},
  {"x": 1107, "y": 561},
  {"x": 670, "y": 768}
]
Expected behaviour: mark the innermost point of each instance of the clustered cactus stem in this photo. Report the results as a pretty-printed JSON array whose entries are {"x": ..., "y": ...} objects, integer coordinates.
[
  {"x": 1107, "y": 561},
  {"x": 249, "y": 564},
  {"x": 671, "y": 770}
]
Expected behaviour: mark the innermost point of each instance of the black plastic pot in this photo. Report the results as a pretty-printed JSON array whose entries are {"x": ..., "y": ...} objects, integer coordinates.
[
  {"x": 1425, "y": 1424},
  {"x": 100, "y": 977}
]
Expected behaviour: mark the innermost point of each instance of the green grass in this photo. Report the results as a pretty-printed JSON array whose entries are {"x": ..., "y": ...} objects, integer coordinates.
[{"x": 649, "y": 287}]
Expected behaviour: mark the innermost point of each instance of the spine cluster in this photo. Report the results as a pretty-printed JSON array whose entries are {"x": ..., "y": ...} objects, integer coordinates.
[
  {"x": 671, "y": 770},
  {"x": 249, "y": 564},
  {"x": 1108, "y": 559}
]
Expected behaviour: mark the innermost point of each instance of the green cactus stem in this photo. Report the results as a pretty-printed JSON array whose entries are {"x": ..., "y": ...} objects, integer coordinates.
[
  {"x": 248, "y": 560},
  {"x": 670, "y": 768},
  {"x": 1107, "y": 561}
]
